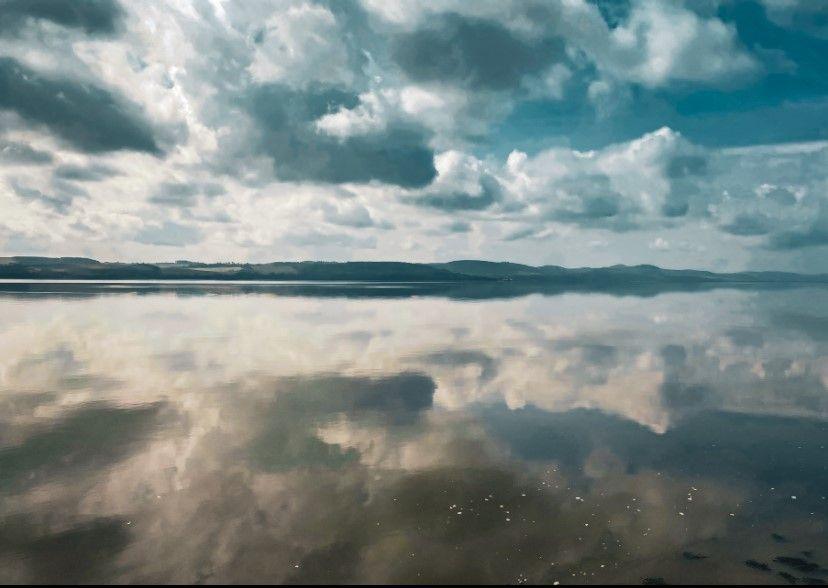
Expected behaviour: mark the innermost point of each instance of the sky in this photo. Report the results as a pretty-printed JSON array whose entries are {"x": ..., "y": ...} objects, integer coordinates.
[{"x": 568, "y": 132}]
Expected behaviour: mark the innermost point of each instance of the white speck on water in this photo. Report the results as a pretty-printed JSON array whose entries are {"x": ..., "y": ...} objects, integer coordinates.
[{"x": 793, "y": 497}]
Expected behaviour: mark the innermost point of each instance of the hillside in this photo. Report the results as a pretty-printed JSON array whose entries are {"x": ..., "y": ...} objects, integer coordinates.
[{"x": 79, "y": 268}]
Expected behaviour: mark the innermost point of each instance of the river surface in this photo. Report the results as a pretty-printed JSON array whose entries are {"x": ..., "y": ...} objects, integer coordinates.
[{"x": 353, "y": 433}]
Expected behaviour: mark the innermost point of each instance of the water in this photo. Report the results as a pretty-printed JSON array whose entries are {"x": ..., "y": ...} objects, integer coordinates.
[{"x": 220, "y": 433}]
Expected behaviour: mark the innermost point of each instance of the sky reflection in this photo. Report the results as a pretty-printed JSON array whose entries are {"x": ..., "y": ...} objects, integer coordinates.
[{"x": 572, "y": 438}]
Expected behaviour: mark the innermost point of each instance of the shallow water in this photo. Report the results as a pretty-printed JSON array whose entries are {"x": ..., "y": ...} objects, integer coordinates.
[{"x": 200, "y": 433}]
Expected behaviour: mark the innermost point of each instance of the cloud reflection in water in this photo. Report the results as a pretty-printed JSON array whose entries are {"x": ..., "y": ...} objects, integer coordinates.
[{"x": 581, "y": 437}]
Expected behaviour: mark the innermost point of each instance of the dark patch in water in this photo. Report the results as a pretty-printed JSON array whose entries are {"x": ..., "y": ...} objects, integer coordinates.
[
  {"x": 757, "y": 565},
  {"x": 797, "y": 563}
]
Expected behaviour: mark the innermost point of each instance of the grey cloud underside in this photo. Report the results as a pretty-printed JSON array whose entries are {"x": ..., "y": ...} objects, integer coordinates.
[
  {"x": 479, "y": 54},
  {"x": 285, "y": 116},
  {"x": 814, "y": 236},
  {"x": 88, "y": 117},
  {"x": 59, "y": 201},
  {"x": 748, "y": 225},
  {"x": 490, "y": 192},
  {"x": 184, "y": 194},
  {"x": 458, "y": 227},
  {"x": 90, "y": 173},
  {"x": 91, "y": 16},
  {"x": 597, "y": 205},
  {"x": 14, "y": 152}
]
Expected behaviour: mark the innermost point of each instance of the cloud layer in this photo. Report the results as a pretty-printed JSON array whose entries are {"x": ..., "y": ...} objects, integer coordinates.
[{"x": 585, "y": 132}]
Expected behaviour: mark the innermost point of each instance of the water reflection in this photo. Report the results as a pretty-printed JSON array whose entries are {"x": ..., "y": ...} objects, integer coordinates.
[{"x": 156, "y": 437}]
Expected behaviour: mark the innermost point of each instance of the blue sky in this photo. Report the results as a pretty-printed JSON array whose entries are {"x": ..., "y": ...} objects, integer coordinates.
[{"x": 574, "y": 132}]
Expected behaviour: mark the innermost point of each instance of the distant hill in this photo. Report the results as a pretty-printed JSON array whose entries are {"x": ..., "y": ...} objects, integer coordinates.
[{"x": 79, "y": 268}]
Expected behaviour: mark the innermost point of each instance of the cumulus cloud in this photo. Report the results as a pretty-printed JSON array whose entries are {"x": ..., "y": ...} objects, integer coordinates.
[
  {"x": 301, "y": 45},
  {"x": 462, "y": 183},
  {"x": 663, "y": 41},
  {"x": 285, "y": 118},
  {"x": 451, "y": 122}
]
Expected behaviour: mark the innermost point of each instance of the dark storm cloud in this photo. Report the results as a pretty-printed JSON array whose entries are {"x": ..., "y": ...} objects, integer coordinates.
[
  {"x": 478, "y": 54},
  {"x": 90, "y": 118},
  {"x": 285, "y": 119},
  {"x": 748, "y": 225},
  {"x": 454, "y": 201},
  {"x": 13, "y": 152},
  {"x": 91, "y": 16}
]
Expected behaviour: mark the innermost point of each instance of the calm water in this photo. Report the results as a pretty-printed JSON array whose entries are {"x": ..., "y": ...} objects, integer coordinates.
[{"x": 300, "y": 434}]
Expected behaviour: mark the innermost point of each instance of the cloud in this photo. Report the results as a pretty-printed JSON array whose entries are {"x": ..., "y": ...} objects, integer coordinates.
[
  {"x": 813, "y": 236},
  {"x": 459, "y": 226},
  {"x": 748, "y": 225},
  {"x": 59, "y": 201},
  {"x": 347, "y": 212},
  {"x": 659, "y": 42},
  {"x": 462, "y": 183},
  {"x": 20, "y": 153},
  {"x": 283, "y": 106},
  {"x": 90, "y": 118},
  {"x": 184, "y": 194},
  {"x": 644, "y": 182},
  {"x": 91, "y": 16},
  {"x": 801, "y": 15},
  {"x": 90, "y": 173},
  {"x": 301, "y": 45},
  {"x": 477, "y": 54},
  {"x": 285, "y": 116},
  {"x": 169, "y": 234}
]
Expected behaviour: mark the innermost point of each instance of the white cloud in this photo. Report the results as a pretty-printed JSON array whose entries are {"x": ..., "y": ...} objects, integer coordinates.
[
  {"x": 662, "y": 41},
  {"x": 299, "y": 45}
]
